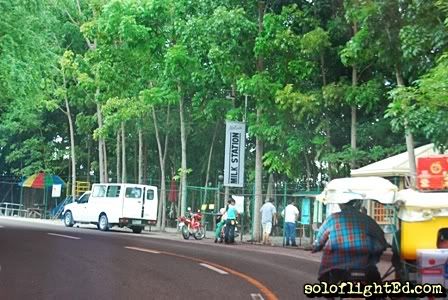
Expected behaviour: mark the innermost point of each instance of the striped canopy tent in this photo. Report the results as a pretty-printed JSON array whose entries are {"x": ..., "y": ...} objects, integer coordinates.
[{"x": 41, "y": 180}]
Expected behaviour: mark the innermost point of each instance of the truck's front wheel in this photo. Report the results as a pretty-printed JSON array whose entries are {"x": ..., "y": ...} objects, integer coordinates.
[{"x": 68, "y": 219}]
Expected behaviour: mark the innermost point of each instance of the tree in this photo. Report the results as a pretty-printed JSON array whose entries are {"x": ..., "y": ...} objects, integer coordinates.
[
  {"x": 411, "y": 57},
  {"x": 68, "y": 71}
]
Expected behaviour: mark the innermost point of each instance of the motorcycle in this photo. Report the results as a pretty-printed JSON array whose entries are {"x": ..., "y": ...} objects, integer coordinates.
[
  {"x": 223, "y": 233},
  {"x": 192, "y": 226}
]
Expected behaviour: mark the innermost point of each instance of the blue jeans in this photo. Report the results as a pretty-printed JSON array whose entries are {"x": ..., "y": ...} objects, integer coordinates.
[
  {"x": 290, "y": 233},
  {"x": 229, "y": 236}
]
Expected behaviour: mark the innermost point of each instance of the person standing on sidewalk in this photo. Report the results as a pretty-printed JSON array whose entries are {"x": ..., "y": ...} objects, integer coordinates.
[
  {"x": 291, "y": 215},
  {"x": 268, "y": 217},
  {"x": 229, "y": 237}
]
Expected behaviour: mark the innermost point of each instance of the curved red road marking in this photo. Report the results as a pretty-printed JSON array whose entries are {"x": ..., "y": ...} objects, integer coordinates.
[{"x": 260, "y": 286}]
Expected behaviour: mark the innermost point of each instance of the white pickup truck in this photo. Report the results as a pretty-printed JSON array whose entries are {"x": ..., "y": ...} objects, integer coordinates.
[{"x": 115, "y": 204}]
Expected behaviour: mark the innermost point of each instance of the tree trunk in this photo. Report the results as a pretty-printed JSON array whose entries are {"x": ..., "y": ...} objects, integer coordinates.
[
  {"x": 163, "y": 183},
  {"x": 100, "y": 143},
  {"x": 329, "y": 146},
  {"x": 270, "y": 189},
  {"x": 226, "y": 194},
  {"x": 140, "y": 155},
  {"x": 324, "y": 83},
  {"x": 308, "y": 171},
  {"x": 409, "y": 138},
  {"x": 72, "y": 137},
  {"x": 135, "y": 156},
  {"x": 408, "y": 134},
  {"x": 179, "y": 200},
  {"x": 118, "y": 153},
  {"x": 69, "y": 172},
  {"x": 322, "y": 69},
  {"x": 72, "y": 150},
  {"x": 210, "y": 152},
  {"x": 162, "y": 156},
  {"x": 106, "y": 174},
  {"x": 258, "y": 144},
  {"x": 145, "y": 163},
  {"x": 123, "y": 154},
  {"x": 162, "y": 168},
  {"x": 258, "y": 186},
  {"x": 353, "y": 130},
  {"x": 183, "y": 139},
  {"x": 88, "y": 158},
  {"x": 353, "y": 127},
  {"x": 209, "y": 161},
  {"x": 411, "y": 156}
]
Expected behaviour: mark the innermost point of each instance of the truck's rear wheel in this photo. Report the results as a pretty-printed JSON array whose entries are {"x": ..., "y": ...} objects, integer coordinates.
[
  {"x": 103, "y": 223},
  {"x": 137, "y": 229}
]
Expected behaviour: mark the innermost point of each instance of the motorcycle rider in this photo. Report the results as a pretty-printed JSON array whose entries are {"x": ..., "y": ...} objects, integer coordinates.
[
  {"x": 351, "y": 240},
  {"x": 232, "y": 213}
]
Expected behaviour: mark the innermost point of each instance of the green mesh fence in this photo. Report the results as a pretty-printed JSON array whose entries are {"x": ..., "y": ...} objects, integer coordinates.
[{"x": 209, "y": 200}]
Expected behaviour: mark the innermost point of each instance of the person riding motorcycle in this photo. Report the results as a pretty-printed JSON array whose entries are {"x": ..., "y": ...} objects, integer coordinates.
[
  {"x": 232, "y": 213},
  {"x": 350, "y": 240},
  {"x": 220, "y": 222}
]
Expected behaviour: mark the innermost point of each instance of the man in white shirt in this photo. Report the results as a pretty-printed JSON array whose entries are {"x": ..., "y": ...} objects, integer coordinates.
[{"x": 291, "y": 215}]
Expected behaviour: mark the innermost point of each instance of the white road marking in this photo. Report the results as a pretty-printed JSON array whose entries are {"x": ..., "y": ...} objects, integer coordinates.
[
  {"x": 143, "y": 250},
  {"x": 256, "y": 297},
  {"x": 64, "y": 236},
  {"x": 214, "y": 269}
]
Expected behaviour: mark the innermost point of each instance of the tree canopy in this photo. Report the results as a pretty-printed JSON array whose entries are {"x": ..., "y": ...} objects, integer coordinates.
[{"x": 111, "y": 79}]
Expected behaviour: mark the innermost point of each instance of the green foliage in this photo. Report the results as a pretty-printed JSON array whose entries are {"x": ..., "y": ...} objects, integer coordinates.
[
  {"x": 315, "y": 41},
  {"x": 297, "y": 102},
  {"x": 358, "y": 50},
  {"x": 131, "y": 57},
  {"x": 258, "y": 86},
  {"x": 423, "y": 106},
  {"x": 180, "y": 65}
]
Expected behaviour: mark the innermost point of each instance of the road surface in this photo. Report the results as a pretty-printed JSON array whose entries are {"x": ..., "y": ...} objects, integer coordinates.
[{"x": 39, "y": 261}]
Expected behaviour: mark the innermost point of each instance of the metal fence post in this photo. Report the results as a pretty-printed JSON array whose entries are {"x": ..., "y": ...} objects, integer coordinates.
[
  {"x": 243, "y": 216},
  {"x": 21, "y": 193},
  {"x": 45, "y": 202},
  {"x": 252, "y": 199},
  {"x": 285, "y": 190}
]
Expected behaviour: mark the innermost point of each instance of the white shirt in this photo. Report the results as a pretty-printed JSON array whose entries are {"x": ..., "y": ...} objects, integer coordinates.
[{"x": 291, "y": 213}]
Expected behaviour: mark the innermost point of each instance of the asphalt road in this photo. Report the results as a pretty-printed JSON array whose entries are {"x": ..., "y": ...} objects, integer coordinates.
[{"x": 39, "y": 261}]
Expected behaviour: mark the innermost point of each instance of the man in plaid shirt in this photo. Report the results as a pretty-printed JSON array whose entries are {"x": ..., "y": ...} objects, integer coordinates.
[{"x": 350, "y": 240}]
